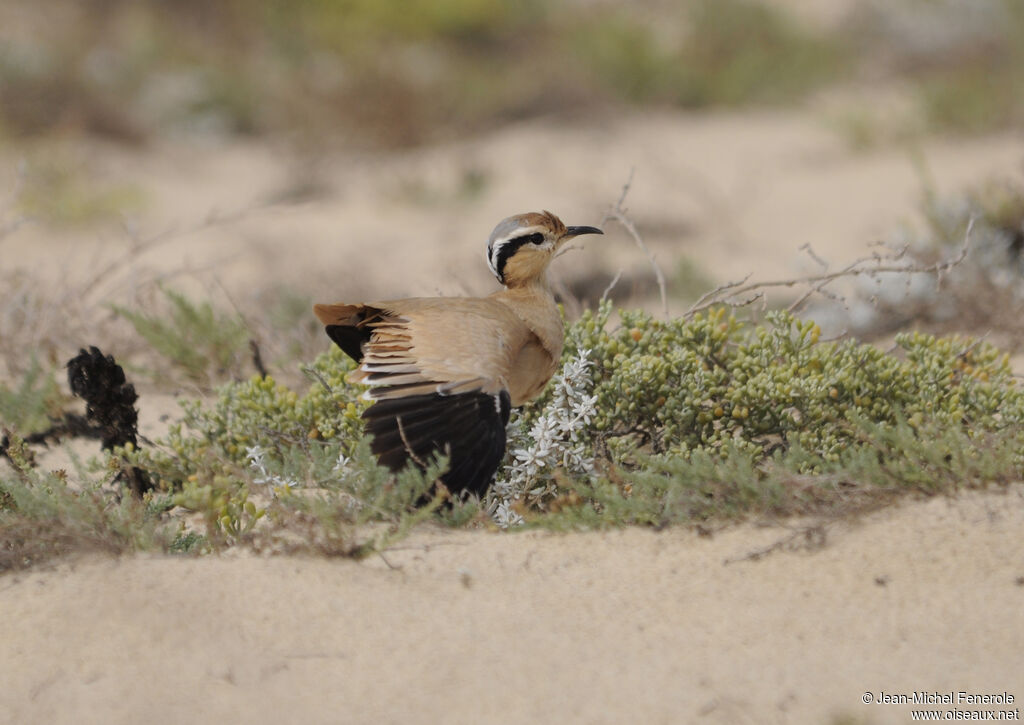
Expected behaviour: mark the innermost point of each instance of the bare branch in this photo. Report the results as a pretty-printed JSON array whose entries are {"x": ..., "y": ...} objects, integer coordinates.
[
  {"x": 870, "y": 265},
  {"x": 618, "y": 213},
  {"x": 611, "y": 285},
  {"x": 257, "y": 358},
  {"x": 315, "y": 374},
  {"x": 625, "y": 191},
  {"x": 699, "y": 304},
  {"x": 141, "y": 245},
  {"x": 810, "y": 252},
  {"x": 810, "y": 538},
  {"x": 408, "y": 446}
]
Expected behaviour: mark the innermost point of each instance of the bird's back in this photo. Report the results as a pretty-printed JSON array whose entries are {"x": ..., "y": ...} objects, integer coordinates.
[{"x": 454, "y": 344}]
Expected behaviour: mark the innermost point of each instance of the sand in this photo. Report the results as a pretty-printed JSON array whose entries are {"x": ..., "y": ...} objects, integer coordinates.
[
  {"x": 622, "y": 626},
  {"x": 732, "y": 193},
  {"x": 472, "y": 627}
]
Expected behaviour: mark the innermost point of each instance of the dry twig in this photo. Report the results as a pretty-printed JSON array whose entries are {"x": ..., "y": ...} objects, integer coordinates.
[
  {"x": 618, "y": 213},
  {"x": 611, "y": 285},
  {"x": 870, "y": 265},
  {"x": 811, "y": 537}
]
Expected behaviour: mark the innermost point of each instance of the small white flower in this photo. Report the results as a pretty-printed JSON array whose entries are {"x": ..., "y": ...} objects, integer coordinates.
[
  {"x": 257, "y": 461},
  {"x": 556, "y": 439},
  {"x": 529, "y": 458},
  {"x": 505, "y": 517},
  {"x": 586, "y": 408}
]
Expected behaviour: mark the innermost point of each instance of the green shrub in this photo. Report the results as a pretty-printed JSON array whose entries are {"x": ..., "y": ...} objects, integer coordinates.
[
  {"x": 650, "y": 422},
  {"x": 259, "y": 413},
  {"x": 42, "y": 515},
  {"x": 34, "y": 403},
  {"x": 394, "y": 73},
  {"x": 205, "y": 344},
  {"x": 678, "y": 386},
  {"x": 61, "y": 190},
  {"x": 729, "y": 52},
  {"x": 682, "y": 419}
]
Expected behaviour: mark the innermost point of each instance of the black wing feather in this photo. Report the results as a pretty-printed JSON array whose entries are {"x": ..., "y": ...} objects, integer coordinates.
[
  {"x": 469, "y": 427},
  {"x": 350, "y": 339}
]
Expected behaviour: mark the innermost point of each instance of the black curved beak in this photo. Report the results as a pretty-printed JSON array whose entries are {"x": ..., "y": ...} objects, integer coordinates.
[{"x": 577, "y": 231}]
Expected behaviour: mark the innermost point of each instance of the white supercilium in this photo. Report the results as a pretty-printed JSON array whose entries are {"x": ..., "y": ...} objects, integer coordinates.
[{"x": 556, "y": 440}]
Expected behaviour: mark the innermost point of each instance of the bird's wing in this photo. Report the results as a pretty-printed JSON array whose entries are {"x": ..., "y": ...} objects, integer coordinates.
[
  {"x": 428, "y": 345},
  {"x": 469, "y": 428},
  {"x": 439, "y": 370}
]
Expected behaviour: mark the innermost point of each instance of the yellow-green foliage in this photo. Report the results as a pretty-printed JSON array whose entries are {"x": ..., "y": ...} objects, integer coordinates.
[
  {"x": 979, "y": 89},
  {"x": 262, "y": 451},
  {"x": 41, "y": 516},
  {"x": 703, "y": 418},
  {"x": 32, "y": 404},
  {"x": 203, "y": 342},
  {"x": 407, "y": 72},
  {"x": 213, "y": 441},
  {"x": 709, "y": 393},
  {"x": 714, "y": 383}
]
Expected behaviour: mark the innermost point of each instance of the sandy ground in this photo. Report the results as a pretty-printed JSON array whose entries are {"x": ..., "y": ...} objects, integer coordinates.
[
  {"x": 623, "y": 626},
  {"x": 733, "y": 193},
  {"x": 629, "y": 626}
]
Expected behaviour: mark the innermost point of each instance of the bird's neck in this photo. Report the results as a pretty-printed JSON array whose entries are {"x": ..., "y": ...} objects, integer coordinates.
[
  {"x": 534, "y": 292},
  {"x": 534, "y": 303},
  {"x": 535, "y": 284}
]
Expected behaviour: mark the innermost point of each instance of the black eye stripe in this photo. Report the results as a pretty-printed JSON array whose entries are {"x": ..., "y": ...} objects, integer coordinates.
[{"x": 506, "y": 250}]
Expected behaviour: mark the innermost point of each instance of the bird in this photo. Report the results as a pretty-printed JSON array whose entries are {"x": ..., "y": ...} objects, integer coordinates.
[{"x": 444, "y": 372}]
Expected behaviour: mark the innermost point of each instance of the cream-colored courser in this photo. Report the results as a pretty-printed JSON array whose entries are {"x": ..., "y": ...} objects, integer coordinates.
[{"x": 444, "y": 372}]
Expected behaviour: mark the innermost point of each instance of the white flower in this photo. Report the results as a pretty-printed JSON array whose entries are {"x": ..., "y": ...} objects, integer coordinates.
[
  {"x": 557, "y": 439},
  {"x": 257, "y": 461},
  {"x": 504, "y": 516},
  {"x": 585, "y": 408},
  {"x": 529, "y": 459}
]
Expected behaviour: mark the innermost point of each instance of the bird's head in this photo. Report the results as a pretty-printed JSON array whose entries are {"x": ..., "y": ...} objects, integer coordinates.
[{"x": 520, "y": 247}]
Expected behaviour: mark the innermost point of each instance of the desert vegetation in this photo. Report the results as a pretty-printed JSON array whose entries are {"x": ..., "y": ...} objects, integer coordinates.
[
  {"x": 822, "y": 395},
  {"x": 729, "y": 410}
]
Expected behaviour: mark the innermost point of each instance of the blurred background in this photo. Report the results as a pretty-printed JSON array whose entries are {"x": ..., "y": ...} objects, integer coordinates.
[
  {"x": 265, "y": 153},
  {"x": 379, "y": 75}
]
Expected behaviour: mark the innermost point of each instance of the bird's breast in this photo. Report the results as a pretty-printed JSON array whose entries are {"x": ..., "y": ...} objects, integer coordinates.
[
  {"x": 536, "y": 360},
  {"x": 531, "y": 370}
]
